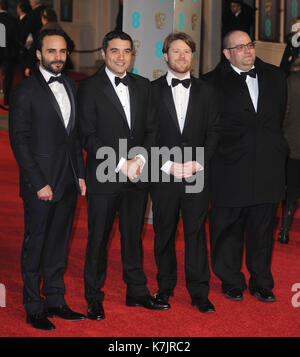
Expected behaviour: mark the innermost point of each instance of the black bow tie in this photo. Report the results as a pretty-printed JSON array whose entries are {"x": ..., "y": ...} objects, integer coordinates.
[
  {"x": 185, "y": 82},
  {"x": 55, "y": 79},
  {"x": 251, "y": 73},
  {"x": 123, "y": 80}
]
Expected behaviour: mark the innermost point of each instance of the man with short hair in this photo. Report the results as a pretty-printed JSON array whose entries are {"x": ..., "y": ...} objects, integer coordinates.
[
  {"x": 188, "y": 117},
  {"x": 8, "y": 53},
  {"x": 248, "y": 176},
  {"x": 43, "y": 134},
  {"x": 115, "y": 105},
  {"x": 239, "y": 16}
]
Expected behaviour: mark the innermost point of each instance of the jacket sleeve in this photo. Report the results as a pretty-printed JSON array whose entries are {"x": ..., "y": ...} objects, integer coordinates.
[
  {"x": 87, "y": 116},
  {"x": 20, "y": 137},
  {"x": 212, "y": 136}
]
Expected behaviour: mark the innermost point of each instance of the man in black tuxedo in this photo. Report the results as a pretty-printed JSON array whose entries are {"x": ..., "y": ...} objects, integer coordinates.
[
  {"x": 23, "y": 10},
  {"x": 248, "y": 168},
  {"x": 238, "y": 16},
  {"x": 8, "y": 53},
  {"x": 33, "y": 27},
  {"x": 43, "y": 134},
  {"x": 115, "y": 105},
  {"x": 188, "y": 118}
]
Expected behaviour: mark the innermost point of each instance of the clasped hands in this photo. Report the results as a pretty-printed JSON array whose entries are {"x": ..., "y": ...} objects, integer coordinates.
[
  {"x": 132, "y": 168},
  {"x": 185, "y": 170}
]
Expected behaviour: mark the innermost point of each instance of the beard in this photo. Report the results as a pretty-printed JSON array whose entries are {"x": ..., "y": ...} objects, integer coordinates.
[
  {"x": 50, "y": 66},
  {"x": 180, "y": 68}
]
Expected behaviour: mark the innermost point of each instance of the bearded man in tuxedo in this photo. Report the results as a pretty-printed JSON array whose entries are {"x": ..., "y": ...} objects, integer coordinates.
[{"x": 43, "y": 134}]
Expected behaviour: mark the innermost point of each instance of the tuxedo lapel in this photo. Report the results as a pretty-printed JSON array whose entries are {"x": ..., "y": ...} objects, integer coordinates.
[
  {"x": 51, "y": 97},
  {"x": 191, "y": 104},
  {"x": 133, "y": 93},
  {"x": 169, "y": 102},
  {"x": 111, "y": 94},
  {"x": 72, "y": 102},
  {"x": 236, "y": 83},
  {"x": 261, "y": 90}
]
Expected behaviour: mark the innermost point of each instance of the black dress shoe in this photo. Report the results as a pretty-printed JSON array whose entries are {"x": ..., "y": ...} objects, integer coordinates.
[
  {"x": 234, "y": 294},
  {"x": 39, "y": 321},
  {"x": 284, "y": 237},
  {"x": 162, "y": 298},
  {"x": 65, "y": 313},
  {"x": 203, "y": 304},
  {"x": 147, "y": 301},
  {"x": 263, "y": 294},
  {"x": 95, "y": 311}
]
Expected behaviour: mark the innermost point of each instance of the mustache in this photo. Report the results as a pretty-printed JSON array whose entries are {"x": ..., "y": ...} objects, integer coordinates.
[{"x": 57, "y": 62}]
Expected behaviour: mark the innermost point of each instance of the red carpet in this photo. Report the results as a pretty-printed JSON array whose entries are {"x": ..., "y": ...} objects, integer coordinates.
[{"x": 232, "y": 319}]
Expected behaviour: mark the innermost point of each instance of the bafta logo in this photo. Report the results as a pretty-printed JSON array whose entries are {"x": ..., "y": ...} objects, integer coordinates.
[
  {"x": 268, "y": 8},
  {"x": 157, "y": 73},
  {"x": 160, "y": 19},
  {"x": 136, "y": 46},
  {"x": 194, "y": 19}
]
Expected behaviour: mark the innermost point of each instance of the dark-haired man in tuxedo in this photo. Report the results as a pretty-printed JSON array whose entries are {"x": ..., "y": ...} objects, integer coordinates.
[
  {"x": 8, "y": 53},
  {"x": 188, "y": 118},
  {"x": 43, "y": 134},
  {"x": 248, "y": 176},
  {"x": 113, "y": 105}
]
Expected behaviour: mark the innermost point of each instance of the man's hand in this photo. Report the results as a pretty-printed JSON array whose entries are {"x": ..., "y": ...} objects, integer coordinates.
[
  {"x": 185, "y": 170},
  {"x": 45, "y": 194},
  {"x": 82, "y": 186},
  {"x": 132, "y": 168}
]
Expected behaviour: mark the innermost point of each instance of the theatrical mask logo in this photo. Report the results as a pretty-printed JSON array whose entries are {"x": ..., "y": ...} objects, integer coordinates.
[
  {"x": 194, "y": 20},
  {"x": 157, "y": 73},
  {"x": 136, "y": 46},
  {"x": 160, "y": 19}
]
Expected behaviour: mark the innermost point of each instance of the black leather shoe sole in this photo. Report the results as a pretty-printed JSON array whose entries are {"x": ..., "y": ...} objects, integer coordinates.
[
  {"x": 95, "y": 317},
  {"x": 234, "y": 294},
  {"x": 41, "y": 324},
  {"x": 65, "y": 313},
  {"x": 205, "y": 307},
  {"x": 148, "y": 303},
  {"x": 257, "y": 294},
  {"x": 68, "y": 318}
]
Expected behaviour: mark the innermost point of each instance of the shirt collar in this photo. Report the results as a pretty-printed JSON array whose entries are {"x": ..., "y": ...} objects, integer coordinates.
[
  {"x": 47, "y": 74},
  {"x": 171, "y": 75},
  {"x": 239, "y": 70},
  {"x": 112, "y": 76}
]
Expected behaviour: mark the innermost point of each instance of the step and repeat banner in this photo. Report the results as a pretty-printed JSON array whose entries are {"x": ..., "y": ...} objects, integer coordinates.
[{"x": 149, "y": 23}]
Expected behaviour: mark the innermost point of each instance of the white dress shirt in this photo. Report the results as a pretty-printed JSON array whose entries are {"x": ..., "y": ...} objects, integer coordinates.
[
  {"x": 61, "y": 95},
  {"x": 252, "y": 84},
  {"x": 181, "y": 97},
  {"x": 123, "y": 95}
]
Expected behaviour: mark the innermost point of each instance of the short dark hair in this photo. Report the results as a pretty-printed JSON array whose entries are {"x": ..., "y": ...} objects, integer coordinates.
[
  {"x": 49, "y": 14},
  {"x": 178, "y": 36},
  {"x": 4, "y": 5},
  {"x": 24, "y": 6},
  {"x": 115, "y": 34},
  {"x": 49, "y": 32}
]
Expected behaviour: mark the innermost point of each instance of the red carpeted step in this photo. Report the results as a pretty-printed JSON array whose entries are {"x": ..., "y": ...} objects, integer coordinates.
[{"x": 232, "y": 319}]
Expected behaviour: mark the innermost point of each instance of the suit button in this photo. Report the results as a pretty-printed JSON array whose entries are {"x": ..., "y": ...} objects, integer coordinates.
[{"x": 131, "y": 137}]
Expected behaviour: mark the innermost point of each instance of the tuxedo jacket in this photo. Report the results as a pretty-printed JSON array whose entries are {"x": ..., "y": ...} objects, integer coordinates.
[
  {"x": 248, "y": 166},
  {"x": 44, "y": 148},
  {"x": 10, "y": 50},
  {"x": 103, "y": 123},
  {"x": 200, "y": 126}
]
